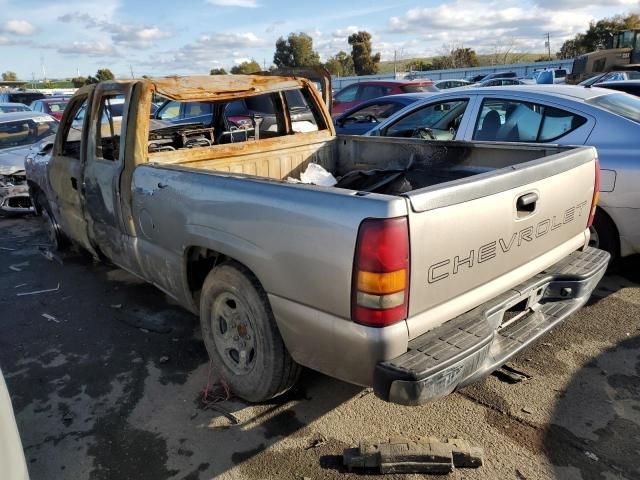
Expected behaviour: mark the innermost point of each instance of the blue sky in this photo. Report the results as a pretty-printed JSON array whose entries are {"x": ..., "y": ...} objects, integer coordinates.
[{"x": 191, "y": 36}]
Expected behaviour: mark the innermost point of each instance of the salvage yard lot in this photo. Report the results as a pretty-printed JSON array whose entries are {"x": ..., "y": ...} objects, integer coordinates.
[{"x": 110, "y": 386}]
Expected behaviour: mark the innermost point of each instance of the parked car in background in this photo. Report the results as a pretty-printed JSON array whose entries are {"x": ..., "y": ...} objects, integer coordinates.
[
  {"x": 356, "y": 93},
  {"x": 445, "y": 84},
  {"x": 555, "y": 114},
  {"x": 20, "y": 96},
  {"x": 499, "y": 82},
  {"x": 13, "y": 107},
  {"x": 629, "y": 86},
  {"x": 52, "y": 106},
  {"x": 495, "y": 75},
  {"x": 552, "y": 76},
  {"x": 530, "y": 79},
  {"x": 18, "y": 132},
  {"x": 611, "y": 77},
  {"x": 475, "y": 78},
  {"x": 361, "y": 119}
]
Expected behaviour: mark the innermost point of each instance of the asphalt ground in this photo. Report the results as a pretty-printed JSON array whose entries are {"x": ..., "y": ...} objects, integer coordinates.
[{"x": 110, "y": 386}]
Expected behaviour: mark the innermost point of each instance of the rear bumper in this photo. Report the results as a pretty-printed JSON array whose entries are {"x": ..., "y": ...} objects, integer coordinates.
[{"x": 471, "y": 346}]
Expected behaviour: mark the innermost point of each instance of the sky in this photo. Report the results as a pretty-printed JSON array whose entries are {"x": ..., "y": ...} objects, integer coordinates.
[{"x": 166, "y": 37}]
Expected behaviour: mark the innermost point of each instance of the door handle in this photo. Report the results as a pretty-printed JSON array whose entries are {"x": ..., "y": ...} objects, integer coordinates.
[
  {"x": 74, "y": 183},
  {"x": 527, "y": 202}
]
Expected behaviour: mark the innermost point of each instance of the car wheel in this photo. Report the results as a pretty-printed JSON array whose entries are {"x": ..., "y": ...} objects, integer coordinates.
[
  {"x": 241, "y": 335},
  {"x": 604, "y": 234}
]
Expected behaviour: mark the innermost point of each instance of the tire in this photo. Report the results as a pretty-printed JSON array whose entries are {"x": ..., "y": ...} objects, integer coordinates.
[
  {"x": 57, "y": 238},
  {"x": 604, "y": 234},
  {"x": 241, "y": 335}
]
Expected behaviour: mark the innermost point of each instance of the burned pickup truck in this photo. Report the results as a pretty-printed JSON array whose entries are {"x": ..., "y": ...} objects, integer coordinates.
[{"x": 420, "y": 268}]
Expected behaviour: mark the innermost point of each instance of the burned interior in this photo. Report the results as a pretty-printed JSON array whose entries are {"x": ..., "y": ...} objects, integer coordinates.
[{"x": 179, "y": 125}]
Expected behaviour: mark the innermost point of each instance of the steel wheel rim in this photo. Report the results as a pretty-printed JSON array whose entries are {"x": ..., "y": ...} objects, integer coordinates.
[{"x": 233, "y": 333}]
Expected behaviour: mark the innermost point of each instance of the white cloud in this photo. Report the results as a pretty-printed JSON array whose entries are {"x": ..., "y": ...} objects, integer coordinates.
[
  {"x": 208, "y": 50},
  {"x": 7, "y": 41},
  {"x": 92, "y": 49},
  {"x": 19, "y": 27},
  {"x": 234, "y": 3},
  {"x": 138, "y": 36}
]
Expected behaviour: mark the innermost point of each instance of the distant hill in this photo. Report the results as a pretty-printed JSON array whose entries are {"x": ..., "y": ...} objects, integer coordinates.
[{"x": 485, "y": 60}]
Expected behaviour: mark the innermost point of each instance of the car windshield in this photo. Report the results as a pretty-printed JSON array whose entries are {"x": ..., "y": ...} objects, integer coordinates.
[
  {"x": 621, "y": 104},
  {"x": 56, "y": 107},
  {"x": 25, "y": 132},
  {"x": 13, "y": 108}
]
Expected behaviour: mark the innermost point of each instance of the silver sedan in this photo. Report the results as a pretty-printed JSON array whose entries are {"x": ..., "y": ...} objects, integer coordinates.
[{"x": 558, "y": 114}]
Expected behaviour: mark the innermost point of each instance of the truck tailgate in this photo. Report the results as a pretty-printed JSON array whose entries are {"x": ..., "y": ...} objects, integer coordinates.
[{"x": 474, "y": 238}]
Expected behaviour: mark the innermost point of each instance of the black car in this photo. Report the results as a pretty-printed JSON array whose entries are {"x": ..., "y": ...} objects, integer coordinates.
[
  {"x": 627, "y": 86},
  {"x": 20, "y": 96},
  {"x": 475, "y": 78}
]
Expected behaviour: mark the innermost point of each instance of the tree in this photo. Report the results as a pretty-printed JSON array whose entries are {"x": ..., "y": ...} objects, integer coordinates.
[
  {"x": 9, "y": 76},
  {"x": 364, "y": 62},
  {"x": 104, "y": 74},
  {"x": 296, "y": 51},
  {"x": 598, "y": 35},
  {"x": 454, "y": 56},
  {"x": 419, "y": 66},
  {"x": 341, "y": 64},
  {"x": 79, "y": 81},
  {"x": 503, "y": 53},
  {"x": 217, "y": 71},
  {"x": 246, "y": 68},
  {"x": 101, "y": 75}
]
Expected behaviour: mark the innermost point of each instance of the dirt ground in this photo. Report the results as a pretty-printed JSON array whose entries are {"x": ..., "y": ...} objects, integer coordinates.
[{"x": 109, "y": 386}]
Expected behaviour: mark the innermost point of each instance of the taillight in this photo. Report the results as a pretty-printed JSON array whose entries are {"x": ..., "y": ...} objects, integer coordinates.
[
  {"x": 596, "y": 195},
  {"x": 380, "y": 292}
]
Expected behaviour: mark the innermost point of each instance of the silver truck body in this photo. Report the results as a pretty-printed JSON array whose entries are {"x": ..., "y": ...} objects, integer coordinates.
[{"x": 166, "y": 216}]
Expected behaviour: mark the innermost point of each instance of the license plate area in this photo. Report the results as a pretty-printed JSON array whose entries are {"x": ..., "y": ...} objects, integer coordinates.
[{"x": 521, "y": 307}]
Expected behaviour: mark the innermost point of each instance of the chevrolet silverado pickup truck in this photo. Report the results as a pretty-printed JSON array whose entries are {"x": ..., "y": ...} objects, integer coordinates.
[{"x": 422, "y": 268}]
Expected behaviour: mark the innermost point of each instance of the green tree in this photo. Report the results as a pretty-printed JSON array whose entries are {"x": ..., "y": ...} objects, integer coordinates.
[
  {"x": 341, "y": 64},
  {"x": 246, "y": 68},
  {"x": 104, "y": 74},
  {"x": 598, "y": 35},
  {"x": 419, "y": 66},
  {"x": 455, "y": 57},
  {"x": 79, "y": 81},
  {"x": 9, "y": 76},
  {"x": 296, "y": 51},
  {"x": 364, "y": 62},
  {"x": 217, "y": 71}
]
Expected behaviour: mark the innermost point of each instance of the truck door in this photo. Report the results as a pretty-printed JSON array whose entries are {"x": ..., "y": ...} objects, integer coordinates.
[
  {"x": 64, "y": 172},
  {"x": 102, "y": 170}
]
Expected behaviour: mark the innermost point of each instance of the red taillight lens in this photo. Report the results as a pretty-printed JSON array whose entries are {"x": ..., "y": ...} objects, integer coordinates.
[
  {"x": 596, "y": 195},
  {"x": 380, "y": 292}
]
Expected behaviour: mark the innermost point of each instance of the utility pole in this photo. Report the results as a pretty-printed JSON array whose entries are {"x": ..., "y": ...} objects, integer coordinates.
[
  {"x": 131, "y": 69},
  {"x": 395, "y": 58},
  {"x": 548, "y": 45}
]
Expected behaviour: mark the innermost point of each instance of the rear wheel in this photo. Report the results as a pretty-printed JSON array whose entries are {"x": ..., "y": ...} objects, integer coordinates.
[
  {"x": 604, "y": 234},
  {"x": 242, "y": 337}
]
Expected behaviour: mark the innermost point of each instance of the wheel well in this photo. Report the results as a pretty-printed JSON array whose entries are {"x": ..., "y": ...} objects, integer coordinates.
[
  {"x": 604, "y": 215},
  {"x": 200, "y": 261}
]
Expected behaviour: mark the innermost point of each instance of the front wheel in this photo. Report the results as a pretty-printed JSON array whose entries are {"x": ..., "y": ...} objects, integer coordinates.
[
  {"x": 241, "y": 335},
  {"x": 56, "y": 237}
]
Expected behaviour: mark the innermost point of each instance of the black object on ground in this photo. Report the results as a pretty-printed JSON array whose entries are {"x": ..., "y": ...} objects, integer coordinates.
[{"x": 402, "y": 455}]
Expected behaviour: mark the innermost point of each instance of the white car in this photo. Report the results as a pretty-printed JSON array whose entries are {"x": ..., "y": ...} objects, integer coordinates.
[{"x": 12, "y": 462}]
